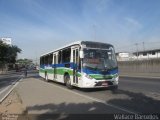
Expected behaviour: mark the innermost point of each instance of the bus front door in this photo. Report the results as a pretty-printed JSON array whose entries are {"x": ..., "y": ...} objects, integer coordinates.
[{"x": 75, "y": 65}]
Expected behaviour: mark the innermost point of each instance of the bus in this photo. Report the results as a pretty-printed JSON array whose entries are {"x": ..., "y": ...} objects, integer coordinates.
[{"x": 83, "y": 64}]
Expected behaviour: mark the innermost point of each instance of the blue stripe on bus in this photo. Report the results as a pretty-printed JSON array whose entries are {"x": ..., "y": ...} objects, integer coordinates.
[
  {"x": 89, "y": 71},
  {"x": 72, "y": 65},
  {"x": 85, "y": 70}
]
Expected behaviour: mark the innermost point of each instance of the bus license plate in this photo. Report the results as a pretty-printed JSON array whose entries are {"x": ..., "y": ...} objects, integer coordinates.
[{"x": 104, "y": 84}]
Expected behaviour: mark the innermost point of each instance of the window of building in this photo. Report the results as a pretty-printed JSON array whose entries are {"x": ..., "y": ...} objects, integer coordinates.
[
  {"x": 145, "y": 54},
  {"x": 153, "y": 53},
  {"x": 137, "y": 54}
]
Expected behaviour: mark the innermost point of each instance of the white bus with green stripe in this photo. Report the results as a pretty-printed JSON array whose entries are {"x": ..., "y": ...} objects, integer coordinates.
[{"x": 84, "y": 64}]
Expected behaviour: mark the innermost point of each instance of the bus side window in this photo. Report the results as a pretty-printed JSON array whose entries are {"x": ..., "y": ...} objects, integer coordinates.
[
  {"x": 79, "y": 67},
  {"x": 66, "y": 55},
  {"x": 41, "y": 58},
  {"x": 50, "y": 60},
  {"x": 46, "y": 60},
  {"x": 60, "y": 57}
]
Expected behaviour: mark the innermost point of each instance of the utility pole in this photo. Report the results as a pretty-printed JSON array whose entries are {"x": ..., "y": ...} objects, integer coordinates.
[
  {"x": 36, "y": 58},
  {"x": 137, "y": 49},
  {"x": 94, "y": 32},
  {"x": 143, "y": 46}
]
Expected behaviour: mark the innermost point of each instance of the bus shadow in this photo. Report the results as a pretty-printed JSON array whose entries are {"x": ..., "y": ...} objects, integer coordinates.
[
  {"x": 94, "y": 110},
  {"x": 70, "y": 111},
  {"x": 92, "y": 89},
  {"x": 137, "y": 102},
  {"x": 77, "y": 88}
]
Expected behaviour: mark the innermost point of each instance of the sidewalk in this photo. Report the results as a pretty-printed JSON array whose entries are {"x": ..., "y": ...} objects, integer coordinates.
[
  {"x": 141, "y": 75},
  {"x": 40, "y": 97}
]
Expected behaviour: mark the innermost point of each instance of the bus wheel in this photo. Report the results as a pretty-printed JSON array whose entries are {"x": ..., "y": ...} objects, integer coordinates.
[{"x": 68, "y": 81}]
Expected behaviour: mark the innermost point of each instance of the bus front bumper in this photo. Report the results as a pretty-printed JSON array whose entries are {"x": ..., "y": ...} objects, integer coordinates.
[{"x": 93, "y": 83}]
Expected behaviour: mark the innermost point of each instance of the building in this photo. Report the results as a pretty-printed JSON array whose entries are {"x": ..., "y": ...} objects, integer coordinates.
[
  {"x": 6, "y": 40},
  {"x": 124, "y": 56},
  {"x": 147, "y": 54},
  {"x": 140, "y": 55}
]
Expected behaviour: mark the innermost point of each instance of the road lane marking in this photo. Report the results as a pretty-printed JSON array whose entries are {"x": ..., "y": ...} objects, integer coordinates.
[
  {"x": 12, "y": 87},
  {"x": 8, "y": 76},
  {"x": 2, "y": 82},
  {"x": 5, "y": 89},
  {"x": 97, "y": 100}
]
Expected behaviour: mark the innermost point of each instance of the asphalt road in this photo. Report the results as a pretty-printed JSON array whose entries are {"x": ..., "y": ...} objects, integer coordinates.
[
  {"x": 7, "y": 81},
  {"x": 137, "y": 95},
  {"x": 134, "y": 95}
]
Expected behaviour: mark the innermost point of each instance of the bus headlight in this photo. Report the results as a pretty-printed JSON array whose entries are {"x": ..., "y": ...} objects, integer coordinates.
[{"x": 115, "y": 76}]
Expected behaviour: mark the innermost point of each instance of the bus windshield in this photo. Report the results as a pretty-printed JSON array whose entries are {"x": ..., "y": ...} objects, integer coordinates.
[{"x": 99, "y": 59}]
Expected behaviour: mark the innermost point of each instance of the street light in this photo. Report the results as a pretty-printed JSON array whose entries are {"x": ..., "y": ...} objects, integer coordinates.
[{"x": 137, "y": 49}]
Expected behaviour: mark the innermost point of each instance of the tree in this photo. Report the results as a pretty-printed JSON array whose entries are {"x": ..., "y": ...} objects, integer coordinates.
[
  {"x": 12, "y": 53},
  {"x": 21, "y": 63},
  {"x": 3, "y": 52},
  {"x": 8, "y": 54}
]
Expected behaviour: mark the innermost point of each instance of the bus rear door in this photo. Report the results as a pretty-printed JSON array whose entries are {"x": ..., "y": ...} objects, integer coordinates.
[{"x": 55, "y": 62}]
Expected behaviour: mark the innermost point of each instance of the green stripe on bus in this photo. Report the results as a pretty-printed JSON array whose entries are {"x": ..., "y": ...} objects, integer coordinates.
[
  {"x": 101, "y": 77},
  {"x": 59, "y": 71}
]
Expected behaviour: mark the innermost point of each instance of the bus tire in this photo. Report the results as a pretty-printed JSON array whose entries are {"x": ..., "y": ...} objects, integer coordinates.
[{"x": 68, "y": 81}]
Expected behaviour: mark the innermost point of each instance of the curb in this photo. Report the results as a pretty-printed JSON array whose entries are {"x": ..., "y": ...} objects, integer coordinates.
[
  {"x": 17, "y": 82},
  {"x": 147, "y": 77}
]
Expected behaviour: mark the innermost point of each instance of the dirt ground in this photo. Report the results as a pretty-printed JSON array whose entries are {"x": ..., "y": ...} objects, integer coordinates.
[{"x": 11, "y": 107}]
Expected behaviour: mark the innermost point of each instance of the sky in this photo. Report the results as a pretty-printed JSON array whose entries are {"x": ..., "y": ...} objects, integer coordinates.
[{"x": 39, "y": 26}]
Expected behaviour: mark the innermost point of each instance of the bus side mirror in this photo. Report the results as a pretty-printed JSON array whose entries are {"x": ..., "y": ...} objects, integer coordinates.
[{"x": 81, "y": 54}]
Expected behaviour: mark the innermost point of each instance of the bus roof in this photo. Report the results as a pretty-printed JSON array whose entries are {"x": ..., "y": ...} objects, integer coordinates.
[{"x": 75, "y": 43}]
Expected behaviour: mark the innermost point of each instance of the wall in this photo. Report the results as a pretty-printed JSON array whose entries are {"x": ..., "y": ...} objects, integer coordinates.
[{"x": 140, "y": 66}]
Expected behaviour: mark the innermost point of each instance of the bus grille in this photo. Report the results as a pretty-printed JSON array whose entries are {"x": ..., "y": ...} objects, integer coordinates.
[{"x": 100, "y": 83}]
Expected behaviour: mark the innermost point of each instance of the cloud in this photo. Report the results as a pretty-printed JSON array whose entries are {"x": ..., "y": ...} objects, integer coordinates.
[
  {"x": 35, "y": 24},
  {"x": 133, "y": 22},
  {"x": 102, "y": 5}
]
